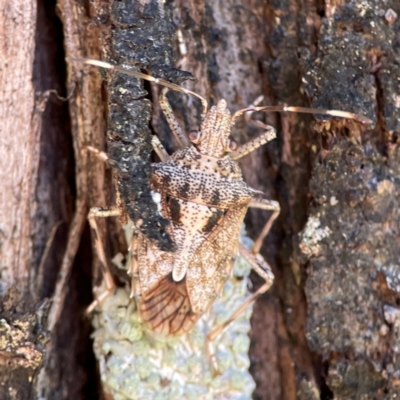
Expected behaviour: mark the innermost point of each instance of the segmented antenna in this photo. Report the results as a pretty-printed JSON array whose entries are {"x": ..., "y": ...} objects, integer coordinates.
[
  {"x": 305, "y": 110},
  {"x": 125, "y": 70}
]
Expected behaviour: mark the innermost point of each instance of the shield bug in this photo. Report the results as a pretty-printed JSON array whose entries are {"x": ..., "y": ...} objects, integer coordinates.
[{"x": 200, "y": 190}]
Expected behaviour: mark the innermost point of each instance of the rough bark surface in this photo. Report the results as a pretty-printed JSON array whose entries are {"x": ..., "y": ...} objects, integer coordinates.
[
  {"x": 140, "y": 36},
  {"x": 19, "y": 140},
  {"x": 21, "y": 351},
  {"x": 328, "y": 329}
]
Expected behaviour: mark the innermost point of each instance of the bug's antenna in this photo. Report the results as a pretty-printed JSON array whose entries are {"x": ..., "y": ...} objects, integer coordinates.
[
  {"x": 140, "y": 75},
  {"x": 334, "y": 113}
]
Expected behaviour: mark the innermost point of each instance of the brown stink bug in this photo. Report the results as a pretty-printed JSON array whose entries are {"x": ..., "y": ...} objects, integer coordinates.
[{"x": 200, "y": 190}]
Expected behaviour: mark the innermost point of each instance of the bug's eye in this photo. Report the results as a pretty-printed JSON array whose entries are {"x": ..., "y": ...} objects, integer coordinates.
[
  {"x": 194, "y": 136},
  {"x": 232, "y": 145}
]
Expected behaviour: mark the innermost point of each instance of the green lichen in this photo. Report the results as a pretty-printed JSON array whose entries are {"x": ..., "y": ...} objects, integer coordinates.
[{"x": 135, "y": 365}]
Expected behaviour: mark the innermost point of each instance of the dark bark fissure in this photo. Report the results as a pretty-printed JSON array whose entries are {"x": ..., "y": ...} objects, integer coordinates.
[
  {"x": 56, "y": 189},
  {"x": 76, "y": 365}
]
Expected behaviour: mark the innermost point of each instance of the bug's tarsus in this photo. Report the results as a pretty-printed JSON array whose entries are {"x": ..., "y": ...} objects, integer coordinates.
[{"x": 101, "y": 155}]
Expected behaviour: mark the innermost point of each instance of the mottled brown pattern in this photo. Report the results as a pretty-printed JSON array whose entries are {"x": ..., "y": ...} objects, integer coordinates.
[
  {"x": 205, "y": 198},
  {"x": 200, "y": 192}
]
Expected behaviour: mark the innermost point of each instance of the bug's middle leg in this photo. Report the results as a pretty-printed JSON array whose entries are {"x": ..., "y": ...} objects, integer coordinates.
[
  {"x": 269, "y": 205},
  {"x": 98, "y": 212}
]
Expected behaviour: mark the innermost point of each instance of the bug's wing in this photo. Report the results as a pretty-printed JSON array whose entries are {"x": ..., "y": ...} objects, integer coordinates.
[
  {"x": 164, "y": 305},
  {"x": 165, "y": 308},
  {"x": 168, "y": 307},
  {"x": 212, "y": 263}
]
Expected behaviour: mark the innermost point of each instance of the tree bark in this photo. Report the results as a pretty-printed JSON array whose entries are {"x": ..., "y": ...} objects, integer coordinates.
[{"x": 328, "y": 329}]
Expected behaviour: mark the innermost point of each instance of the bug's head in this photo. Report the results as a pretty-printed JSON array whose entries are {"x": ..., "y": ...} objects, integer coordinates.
[{"x": 213, "y": 139}]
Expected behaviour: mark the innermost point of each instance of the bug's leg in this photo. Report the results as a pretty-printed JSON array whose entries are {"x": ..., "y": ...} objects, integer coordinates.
[
  {"x": 97, "y": 212},
  {"x": 170, "y": 117},
  {"x": 258, "y": 263},
  {"x": 159, "y": 148},
  {"x": 269, "y": 205},
  {"x": 101, "y": 155},
  {"x": 267, "y": 136},
  {"x": 133, "y": 270}
]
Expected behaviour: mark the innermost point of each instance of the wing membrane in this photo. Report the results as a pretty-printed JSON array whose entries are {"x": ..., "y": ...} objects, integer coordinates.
[{"x": 165, "y": 308}]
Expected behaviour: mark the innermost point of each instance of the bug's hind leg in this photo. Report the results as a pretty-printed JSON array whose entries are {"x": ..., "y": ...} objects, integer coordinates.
[
  {"x": 258, "y": 263},
  {"x": 94, "y": 213}
]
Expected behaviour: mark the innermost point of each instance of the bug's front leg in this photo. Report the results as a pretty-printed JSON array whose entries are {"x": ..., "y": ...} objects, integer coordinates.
[
  {"x": 268, "y": 134},
  {"x": 98, "y": 212},
  {"x": 170, "y": 117},
  {"x": 159, "y": 148}
]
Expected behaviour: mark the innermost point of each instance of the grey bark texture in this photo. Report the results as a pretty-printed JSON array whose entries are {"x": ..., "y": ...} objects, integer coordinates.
[{"x": 329, "y": 327}]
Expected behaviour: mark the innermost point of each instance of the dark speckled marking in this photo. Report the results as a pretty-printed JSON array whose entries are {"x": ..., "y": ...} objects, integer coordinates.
[
  {"x": 215, "y": 198},
  {"x": 184, "y": 190},
  {"x": 167, "y": 180},
  {"x": 213, "y": 220},
  {"x": 174, "y": 209}
]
